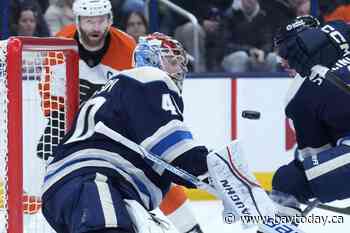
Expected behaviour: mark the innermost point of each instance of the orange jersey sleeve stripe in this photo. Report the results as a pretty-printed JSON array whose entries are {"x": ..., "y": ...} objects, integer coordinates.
[{"x": 175, "y": 198}]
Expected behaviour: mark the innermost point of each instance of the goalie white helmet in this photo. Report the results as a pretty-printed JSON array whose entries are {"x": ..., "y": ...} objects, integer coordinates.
[
  {"x": 162, "y": 51},
  {"x": 92, "y": 7}
]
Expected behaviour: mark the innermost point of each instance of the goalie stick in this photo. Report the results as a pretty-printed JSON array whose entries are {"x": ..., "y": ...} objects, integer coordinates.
[
  {"x": 268, "y": 227},
  {"x": 310, "y": 206},
  {"x": 101, "y": 128},
  {"x": 199, "y": 183},
  {"x": 339, "y": 210}
]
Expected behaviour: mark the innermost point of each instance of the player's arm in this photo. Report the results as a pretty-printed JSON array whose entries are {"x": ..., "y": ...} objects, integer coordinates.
[
  {"x": 335, "y": 116},
  {"x": 311, "y": 139},
  {"x": 155, "y": 117},
  {"x": 323, "y": 142}
]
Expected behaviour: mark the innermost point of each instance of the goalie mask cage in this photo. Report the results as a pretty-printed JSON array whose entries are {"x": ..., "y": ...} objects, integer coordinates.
[{"x": 39, "y": 95}]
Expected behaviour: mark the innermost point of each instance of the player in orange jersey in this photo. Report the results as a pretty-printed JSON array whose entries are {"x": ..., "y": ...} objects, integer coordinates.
[{"x": 103, "y": 50}]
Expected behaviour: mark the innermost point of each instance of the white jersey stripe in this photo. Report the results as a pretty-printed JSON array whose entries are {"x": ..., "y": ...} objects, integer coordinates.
[
  {"x": 328, "y": 166},
  {"x": 163, "y": 132},
  {"x": 169, "y": 155},
  {"x": 106, "y": 201},
  {"x": 102, "y": 158},
  {"x": 91, "y": 163}
]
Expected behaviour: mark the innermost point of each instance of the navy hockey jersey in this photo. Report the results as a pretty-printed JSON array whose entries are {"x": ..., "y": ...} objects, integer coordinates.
[
  {"x": 141, "y": 106},
  {"x": 320, "y": 112}
]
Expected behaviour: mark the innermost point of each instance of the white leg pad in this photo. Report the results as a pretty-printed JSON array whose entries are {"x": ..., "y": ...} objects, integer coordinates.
[{"x": 231, "y": 176}]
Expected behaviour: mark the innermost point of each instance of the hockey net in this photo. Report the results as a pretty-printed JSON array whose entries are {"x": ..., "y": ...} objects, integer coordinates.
[{"x": 39, "y": 95}]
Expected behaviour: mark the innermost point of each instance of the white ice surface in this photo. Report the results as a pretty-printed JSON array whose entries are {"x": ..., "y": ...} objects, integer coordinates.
[{"x": 208, "y": 213}]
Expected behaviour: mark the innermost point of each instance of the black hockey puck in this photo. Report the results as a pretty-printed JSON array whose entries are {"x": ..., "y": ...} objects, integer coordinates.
[{"x": 249, "y": 114}]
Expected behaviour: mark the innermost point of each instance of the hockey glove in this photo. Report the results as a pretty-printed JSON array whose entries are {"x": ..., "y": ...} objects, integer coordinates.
[
  {"x": 309, "y": 48},
  {"x": 294, "y": 51}
]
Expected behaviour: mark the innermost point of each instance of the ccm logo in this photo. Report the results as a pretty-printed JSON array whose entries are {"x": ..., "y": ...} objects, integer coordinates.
[{"x": 337, "y": 37}]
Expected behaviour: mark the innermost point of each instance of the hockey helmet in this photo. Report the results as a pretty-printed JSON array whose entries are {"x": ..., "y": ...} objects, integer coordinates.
[
  {"x": 161, "y": 51},
  {"x": 296, "y": 26},
  {"x": 92, "y": 7}
]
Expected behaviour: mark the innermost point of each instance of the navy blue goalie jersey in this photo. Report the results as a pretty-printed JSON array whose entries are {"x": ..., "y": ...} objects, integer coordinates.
[
  {"x": 320, "y": 113},
  {"x": 142, "y": 107}
]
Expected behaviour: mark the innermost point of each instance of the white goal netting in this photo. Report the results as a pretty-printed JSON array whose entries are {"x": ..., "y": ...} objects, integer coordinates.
[{"x": 42, "y": 78}]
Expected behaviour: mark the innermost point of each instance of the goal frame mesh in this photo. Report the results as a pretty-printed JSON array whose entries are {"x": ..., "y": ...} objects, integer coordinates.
[{"x": 15, "y": 48}]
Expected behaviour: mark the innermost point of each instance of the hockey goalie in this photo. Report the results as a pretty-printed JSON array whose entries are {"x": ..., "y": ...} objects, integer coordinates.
[{"x": 101, "y": 181}]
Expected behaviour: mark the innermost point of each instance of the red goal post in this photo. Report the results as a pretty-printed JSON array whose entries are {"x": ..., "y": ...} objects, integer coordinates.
[{"x": 37, "y": 76}]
